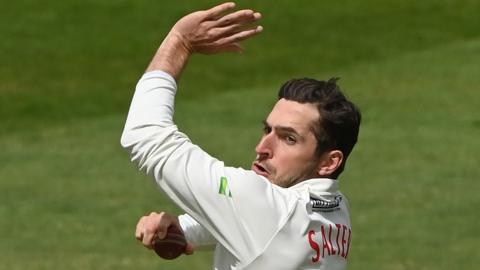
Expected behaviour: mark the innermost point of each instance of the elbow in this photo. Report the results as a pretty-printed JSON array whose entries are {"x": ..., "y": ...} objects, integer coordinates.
[{"x": 126, "y": 140}]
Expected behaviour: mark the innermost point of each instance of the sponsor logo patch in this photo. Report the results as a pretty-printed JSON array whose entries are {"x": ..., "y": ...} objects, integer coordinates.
[
  {"x": 325, "y": 206},
  {"x": 224, "y": 189}
]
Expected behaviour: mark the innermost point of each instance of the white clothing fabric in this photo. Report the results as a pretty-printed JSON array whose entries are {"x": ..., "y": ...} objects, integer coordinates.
[
  {"x": 196, "y": 234},
  {"x": 254, "y": 223}
]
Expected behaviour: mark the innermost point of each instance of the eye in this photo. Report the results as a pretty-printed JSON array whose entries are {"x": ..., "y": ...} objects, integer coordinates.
[
  {"x": 267, "y": 129},
  {"x": 291, "y": 140}
]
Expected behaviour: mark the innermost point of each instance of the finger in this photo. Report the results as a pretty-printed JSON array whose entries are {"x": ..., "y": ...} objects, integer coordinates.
[
  {"x": 233, "y": 27},
  {"x": 148, "y": 239},
  {"x": 148, "y": 236},
  {"x": 216, "y": 11},
  {"x": 232, "y": 48},
  {"x": 139, "y": 229},
  {"x": 161, "y": 225},
  {"x": 176, "y": 223},
  {"x": 148, "y": 229},
  {"x": 238, "y": 17},
  {"x": 237, "y": 37},
  {"x": 212, "y": 48},
  {"x": 218, "y": 33}
]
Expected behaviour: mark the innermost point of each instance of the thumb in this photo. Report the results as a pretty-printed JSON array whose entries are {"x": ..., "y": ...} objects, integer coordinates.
[{"x": 189, "y": 249}]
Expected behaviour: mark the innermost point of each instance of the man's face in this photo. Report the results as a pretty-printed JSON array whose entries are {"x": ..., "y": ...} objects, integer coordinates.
[{"x": 286, "y": 152}]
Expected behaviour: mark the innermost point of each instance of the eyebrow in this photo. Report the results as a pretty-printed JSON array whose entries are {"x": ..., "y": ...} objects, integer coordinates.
[{"x": 282, "y": 128}]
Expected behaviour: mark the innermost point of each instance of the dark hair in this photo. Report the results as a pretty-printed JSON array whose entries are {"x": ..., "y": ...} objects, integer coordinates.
[{"x": 339, "y": 123}]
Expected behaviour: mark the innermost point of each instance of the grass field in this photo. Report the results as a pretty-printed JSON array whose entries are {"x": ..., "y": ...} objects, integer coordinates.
[{"x": 70, "y": 198}]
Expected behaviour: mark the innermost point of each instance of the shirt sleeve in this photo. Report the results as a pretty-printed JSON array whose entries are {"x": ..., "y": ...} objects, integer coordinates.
[
  {"x": 196, "y": 233},
  {"x": 240, "y": 209}
]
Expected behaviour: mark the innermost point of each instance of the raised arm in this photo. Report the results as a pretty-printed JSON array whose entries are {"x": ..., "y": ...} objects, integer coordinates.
[
  {"x": 218, "y": 197},
  {"x": 207, "y": 32}
]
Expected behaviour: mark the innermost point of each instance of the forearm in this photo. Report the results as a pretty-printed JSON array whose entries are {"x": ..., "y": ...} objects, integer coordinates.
[{"x": 172, "y": 55}]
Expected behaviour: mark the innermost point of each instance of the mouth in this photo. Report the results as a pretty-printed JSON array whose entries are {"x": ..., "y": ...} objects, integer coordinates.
[{"x": 259, "y": 169}]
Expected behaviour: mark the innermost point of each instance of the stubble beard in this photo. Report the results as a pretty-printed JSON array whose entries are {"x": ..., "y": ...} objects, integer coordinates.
[{"x": 291, "y": 180}]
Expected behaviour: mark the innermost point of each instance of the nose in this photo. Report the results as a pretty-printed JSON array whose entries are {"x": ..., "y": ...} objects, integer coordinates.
[{"x": 265, "y": 146}]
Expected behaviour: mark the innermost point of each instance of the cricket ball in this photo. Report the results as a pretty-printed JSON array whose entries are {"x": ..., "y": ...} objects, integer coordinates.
[{"x": 172, "y": 246}]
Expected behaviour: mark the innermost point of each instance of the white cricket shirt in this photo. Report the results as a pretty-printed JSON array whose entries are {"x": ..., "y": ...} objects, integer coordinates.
[{"x": 255, "y": 224}]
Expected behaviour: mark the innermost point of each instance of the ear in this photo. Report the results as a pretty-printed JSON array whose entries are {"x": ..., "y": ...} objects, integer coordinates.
[{"x": 329, "y": 162}]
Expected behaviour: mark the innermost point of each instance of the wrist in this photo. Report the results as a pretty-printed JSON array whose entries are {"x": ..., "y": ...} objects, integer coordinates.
[{"x": 172, "y": 55}]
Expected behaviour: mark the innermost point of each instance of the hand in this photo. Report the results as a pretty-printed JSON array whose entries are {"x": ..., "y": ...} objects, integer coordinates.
[
  {"x": 156, "y": 225},
  {"x": 215, "y": 30},
  {"x": 208, "y": 32}
]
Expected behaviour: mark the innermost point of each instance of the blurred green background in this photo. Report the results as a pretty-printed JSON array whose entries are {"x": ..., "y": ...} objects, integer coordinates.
[{"x": 70, "y": 198}]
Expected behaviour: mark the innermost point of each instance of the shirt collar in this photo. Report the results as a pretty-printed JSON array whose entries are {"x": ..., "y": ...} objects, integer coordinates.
[{"x": 318, "y": 187}]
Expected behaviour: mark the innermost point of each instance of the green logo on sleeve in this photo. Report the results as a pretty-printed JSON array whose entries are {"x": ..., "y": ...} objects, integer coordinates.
[{"x": 224, "y": 189}]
